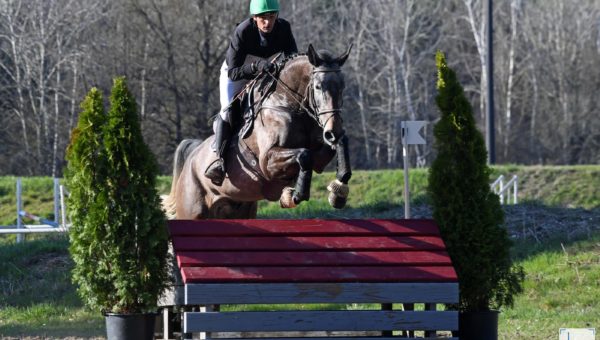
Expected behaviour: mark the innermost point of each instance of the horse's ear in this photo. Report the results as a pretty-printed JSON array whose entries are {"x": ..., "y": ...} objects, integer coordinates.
[
  {"x": 342, "y": 59},
  {"x": 313, "y": 56}
]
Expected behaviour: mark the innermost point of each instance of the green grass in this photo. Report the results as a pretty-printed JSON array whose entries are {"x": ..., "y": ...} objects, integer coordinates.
[
  {"x": 370, "y": 191},
  {"x": 562, "y": 289},
  {"x": 37, "y": 297},
  {"x": 49, "y": 320}
]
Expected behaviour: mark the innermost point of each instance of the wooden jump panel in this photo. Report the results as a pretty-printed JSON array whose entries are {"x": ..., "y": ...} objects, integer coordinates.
[
  {"x": 339, "y": 338},
  {"x": 281, "y": 293},
  {"x": 355, "y": 320},
  {"x": 300, "y": 243},
  {"x": 378, "y": 261},
  {"x": 319, "y": 274},
  {"x": 378, "y": 250},
  {"x": 316, "y": 258},
  {"x": 373, "y": 227}
]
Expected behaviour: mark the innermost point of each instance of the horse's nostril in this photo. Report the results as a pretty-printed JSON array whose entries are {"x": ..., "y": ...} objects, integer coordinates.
[{"x": 329, "y": 136}]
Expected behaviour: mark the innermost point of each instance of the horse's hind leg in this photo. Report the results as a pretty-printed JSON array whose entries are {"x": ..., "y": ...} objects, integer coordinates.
[
  {"x": 191, "y": 196},
  {"x": 225, "y": 208},
  {"x": 247, "y": 210}
]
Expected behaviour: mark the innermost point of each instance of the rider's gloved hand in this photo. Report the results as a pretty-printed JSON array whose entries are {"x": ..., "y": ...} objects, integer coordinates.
[{"x": 264, "y": 66}]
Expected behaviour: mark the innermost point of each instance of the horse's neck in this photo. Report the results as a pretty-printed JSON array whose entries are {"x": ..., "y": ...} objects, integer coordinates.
[{"x": 294, "y": 78}]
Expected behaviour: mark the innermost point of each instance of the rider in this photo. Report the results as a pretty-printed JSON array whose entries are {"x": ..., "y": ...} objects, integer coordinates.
[{"x": 262, "y": 35}]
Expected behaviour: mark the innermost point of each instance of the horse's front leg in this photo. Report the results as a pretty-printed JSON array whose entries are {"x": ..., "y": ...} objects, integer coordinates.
[
  {"x": 338, "y": 189},
  {"x": 286, "y": 164}
]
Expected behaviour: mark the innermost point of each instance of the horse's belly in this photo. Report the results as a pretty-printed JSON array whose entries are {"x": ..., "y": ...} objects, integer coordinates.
[
  {"x": 242, "y": 183},
  {"x": 272, "y": 191}
]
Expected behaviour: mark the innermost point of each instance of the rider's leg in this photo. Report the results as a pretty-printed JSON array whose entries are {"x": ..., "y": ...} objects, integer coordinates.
[
  {"x": 223, "y": 130},
  {"x": 216, "y": 171},
  {"x": 228, "y": 88}
]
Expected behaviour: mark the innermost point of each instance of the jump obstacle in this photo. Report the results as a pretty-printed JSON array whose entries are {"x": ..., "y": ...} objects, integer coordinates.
[
  {"x": 45, "y": 225},
  {"x": 346, "y": 262}
]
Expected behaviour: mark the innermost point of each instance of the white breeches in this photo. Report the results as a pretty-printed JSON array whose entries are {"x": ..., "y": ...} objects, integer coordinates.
[{"x": 228, "y": 89}]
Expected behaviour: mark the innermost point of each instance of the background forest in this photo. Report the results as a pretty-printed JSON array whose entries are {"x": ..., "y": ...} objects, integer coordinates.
[{"x": 546, "y": 75}]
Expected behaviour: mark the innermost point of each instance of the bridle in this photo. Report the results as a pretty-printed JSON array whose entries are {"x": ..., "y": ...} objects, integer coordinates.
[
  {"x": 308, "y": 102},
  {"x": 309, "y": 95}
]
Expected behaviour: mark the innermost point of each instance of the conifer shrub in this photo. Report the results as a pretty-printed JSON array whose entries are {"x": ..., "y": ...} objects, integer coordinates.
[
  {"x": 467, "y": 211},
  {"x": 119, "y": 238}
]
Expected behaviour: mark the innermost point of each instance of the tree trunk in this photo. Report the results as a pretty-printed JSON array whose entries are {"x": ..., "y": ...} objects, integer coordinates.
[{"x": 511, "y": 71}]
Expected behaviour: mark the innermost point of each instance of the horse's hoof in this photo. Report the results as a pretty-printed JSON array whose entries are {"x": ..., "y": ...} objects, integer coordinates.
[
  {"x": 338, "y": 188},
  {"x": 287, "y": 198},
  {"x": 338, "y": 194},
  {"x": 336, "y": 201}
]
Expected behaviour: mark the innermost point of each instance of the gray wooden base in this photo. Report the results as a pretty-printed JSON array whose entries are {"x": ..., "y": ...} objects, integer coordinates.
[{"x": 208, "y": 321}]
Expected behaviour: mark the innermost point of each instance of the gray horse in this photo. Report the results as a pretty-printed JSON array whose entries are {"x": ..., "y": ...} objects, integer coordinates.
[{"x": 297, "y": 129}]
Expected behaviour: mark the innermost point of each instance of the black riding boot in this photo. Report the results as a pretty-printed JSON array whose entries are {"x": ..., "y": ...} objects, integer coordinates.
[{"x": 216, "y": 171}]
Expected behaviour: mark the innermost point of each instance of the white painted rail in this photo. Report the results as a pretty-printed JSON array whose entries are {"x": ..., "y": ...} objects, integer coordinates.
[
  {"x": 44, "y": 226},
  {"x": 507, "y": 190}
]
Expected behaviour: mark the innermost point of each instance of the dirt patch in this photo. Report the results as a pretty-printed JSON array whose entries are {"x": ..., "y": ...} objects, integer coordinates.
[
  {"x": 48, "y": 262},
  {"x": 540, "y": 222}
]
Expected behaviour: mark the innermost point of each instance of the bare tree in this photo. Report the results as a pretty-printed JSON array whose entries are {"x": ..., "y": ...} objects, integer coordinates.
[
  {"x": 51, "y": 52},
  {"x": 40, "y": 39}
]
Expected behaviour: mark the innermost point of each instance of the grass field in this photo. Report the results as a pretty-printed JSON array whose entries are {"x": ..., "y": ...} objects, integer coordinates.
[{"x": 556, "y": 232}]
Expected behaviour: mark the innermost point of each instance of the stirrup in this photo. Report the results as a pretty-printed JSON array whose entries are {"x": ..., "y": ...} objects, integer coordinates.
[{"x": 216, "y": 172}]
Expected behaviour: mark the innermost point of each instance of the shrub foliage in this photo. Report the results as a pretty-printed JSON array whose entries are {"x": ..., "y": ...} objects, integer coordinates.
[
  {"x": 467, "y": 211},
  {"x": 119, "y": 238}
]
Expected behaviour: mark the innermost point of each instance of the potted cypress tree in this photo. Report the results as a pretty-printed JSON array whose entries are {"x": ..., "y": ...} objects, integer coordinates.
[
  {"x": 469, "y": 213},
  {"x": 119, "y": 239}
]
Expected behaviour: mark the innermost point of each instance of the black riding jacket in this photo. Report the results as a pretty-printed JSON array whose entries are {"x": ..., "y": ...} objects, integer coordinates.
[{"x": 248, "y": 40}]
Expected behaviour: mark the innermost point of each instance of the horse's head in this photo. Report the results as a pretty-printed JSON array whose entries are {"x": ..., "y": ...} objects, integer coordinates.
[{"x": 325, "y": 92}]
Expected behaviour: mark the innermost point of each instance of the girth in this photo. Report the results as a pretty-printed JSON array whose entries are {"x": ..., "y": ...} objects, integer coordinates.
[{"x": 249, "y": 158}]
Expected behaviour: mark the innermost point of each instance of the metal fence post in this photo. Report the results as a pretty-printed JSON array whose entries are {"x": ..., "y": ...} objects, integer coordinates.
[
  {"x": 20, "y": 237},
  {"x": 56, "y": 200}
]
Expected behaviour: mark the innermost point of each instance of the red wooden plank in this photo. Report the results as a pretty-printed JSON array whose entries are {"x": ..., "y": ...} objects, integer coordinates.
[
  {"x": 318, "y": 274},
  {"x": 181, "y": 243},
  {"x": 287, "y": 258},
  {"x": 373, "y": 227}
]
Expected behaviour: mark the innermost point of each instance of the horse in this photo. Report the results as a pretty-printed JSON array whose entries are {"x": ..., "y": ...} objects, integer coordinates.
[{"x": 297, "y": 129}]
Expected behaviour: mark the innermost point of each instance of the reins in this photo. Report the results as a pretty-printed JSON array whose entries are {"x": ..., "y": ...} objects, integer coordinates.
[{"x": 308, "y": 96}]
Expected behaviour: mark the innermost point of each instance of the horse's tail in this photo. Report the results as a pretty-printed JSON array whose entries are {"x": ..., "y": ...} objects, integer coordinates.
[{"x": 169, "y": 202}]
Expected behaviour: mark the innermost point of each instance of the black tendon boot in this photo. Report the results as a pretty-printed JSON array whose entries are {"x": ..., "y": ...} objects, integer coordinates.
[{"x": 216, "y": 171}]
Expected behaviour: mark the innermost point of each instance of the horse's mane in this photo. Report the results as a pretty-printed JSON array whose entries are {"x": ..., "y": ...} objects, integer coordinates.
[
  {"x": 286, "y": 59},
  {"x": 326, "y": 57},
  {"x": 266, "y": 84}
]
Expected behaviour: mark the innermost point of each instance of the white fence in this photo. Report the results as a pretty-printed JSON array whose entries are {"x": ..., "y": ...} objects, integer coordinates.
[
  {"x": 44, "y": 226},
  {"x": 507, "y": 190}
]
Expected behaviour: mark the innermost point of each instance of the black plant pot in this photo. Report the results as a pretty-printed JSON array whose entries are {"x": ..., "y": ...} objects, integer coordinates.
[
  {"x": 130, "y": 326},
  {"x": 482, "y": 325}
]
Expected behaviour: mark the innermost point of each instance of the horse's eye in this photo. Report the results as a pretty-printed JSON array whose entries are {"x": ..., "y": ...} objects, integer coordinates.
[{"x": 318, "y": 86}]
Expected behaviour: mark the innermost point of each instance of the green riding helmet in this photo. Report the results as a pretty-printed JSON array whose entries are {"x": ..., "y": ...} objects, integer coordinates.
[{"x": 258, "y": 7}]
